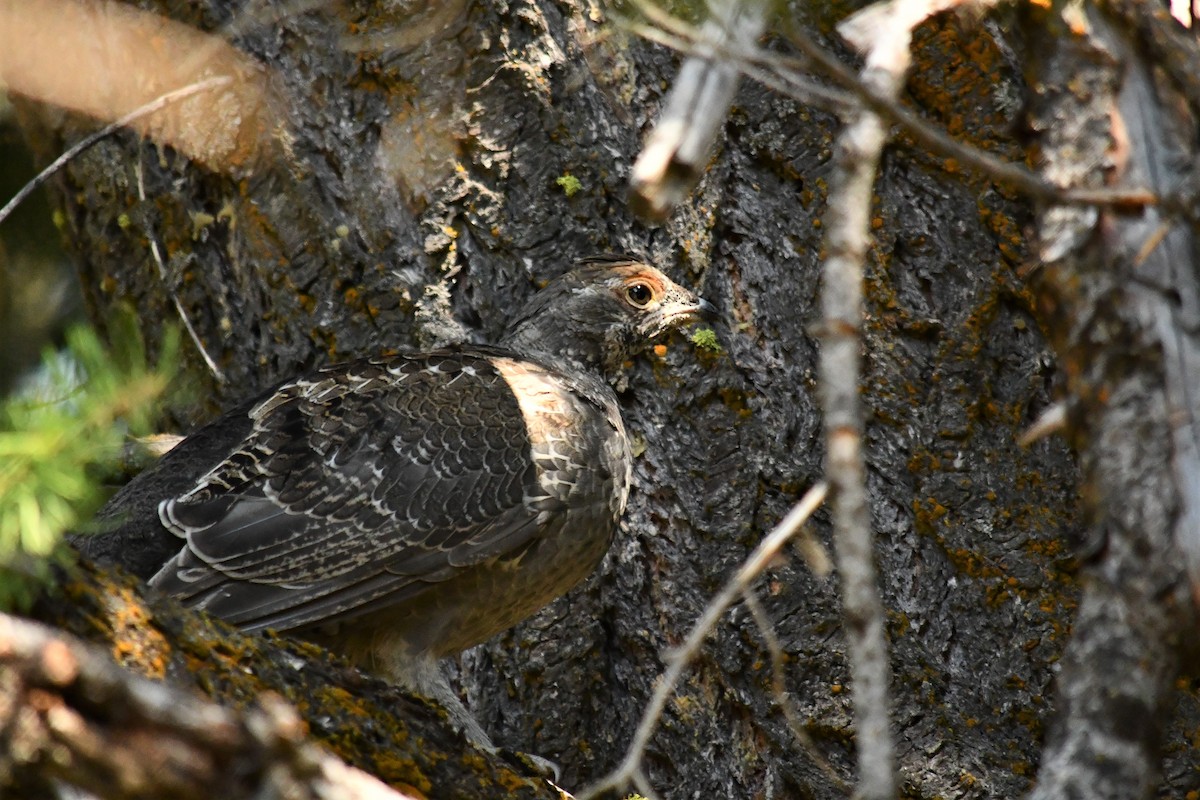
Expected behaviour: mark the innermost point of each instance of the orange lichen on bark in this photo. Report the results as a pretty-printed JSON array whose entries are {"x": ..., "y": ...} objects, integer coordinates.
[{"x": 135, "y": 642}]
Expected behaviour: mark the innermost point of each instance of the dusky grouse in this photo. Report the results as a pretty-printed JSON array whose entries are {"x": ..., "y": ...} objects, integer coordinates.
[{"x": 402, "y": 509}]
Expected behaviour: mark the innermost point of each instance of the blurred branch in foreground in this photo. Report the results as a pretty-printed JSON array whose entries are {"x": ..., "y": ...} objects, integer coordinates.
[{"x": 108, "y": 59}]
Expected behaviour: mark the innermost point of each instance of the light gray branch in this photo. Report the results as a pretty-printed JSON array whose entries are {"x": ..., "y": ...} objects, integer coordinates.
[
  {"x": 1123, "y": 302},
  {"x": 885, "y": 43},
  {"x": 677, "y": 150}
]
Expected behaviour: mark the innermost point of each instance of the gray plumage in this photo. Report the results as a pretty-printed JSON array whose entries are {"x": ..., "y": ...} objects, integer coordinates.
[{"x": 402, "y": 509}]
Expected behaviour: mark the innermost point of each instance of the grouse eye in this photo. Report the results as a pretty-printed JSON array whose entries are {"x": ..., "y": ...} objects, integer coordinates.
[{"x": 639, "y": 294}]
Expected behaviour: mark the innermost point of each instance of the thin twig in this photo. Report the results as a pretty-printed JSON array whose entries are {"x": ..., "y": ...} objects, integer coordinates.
[
  {"x": 83, "y": 144},
  {"x": 630, "y": 767},
  {"x": 779, "y": 689},
  {"x": 1152, "y": 242},
  {"x": 889, "y": 107},
  {"x": 170, "y": 289},
  {"x": 206, "y": 53},
  {"x": 786, "y": 82}
]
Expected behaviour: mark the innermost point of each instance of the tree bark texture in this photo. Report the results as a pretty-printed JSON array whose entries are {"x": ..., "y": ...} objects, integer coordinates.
[
  {"x": 1122, "y": 315},
  {"x": 411, "y": 196}
]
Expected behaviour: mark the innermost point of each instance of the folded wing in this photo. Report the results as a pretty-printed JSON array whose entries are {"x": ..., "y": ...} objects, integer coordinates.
[{"x": 358, "y": 487}]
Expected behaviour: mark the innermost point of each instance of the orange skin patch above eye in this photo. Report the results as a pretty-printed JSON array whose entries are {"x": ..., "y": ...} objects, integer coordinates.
[{"x": 650, "y": 280}]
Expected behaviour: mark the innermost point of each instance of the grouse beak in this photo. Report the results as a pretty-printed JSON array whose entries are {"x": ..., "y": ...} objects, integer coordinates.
[{"x": 684, "y": 312}]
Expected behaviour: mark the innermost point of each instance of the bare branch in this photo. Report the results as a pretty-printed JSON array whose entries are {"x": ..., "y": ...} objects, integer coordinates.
[
  {"x": 767, "y": 68},
  {"x": 785, "y": 75},
  {"x": 1120, "y": 298},
  {"x": 170, "y": 289},
  {"x": 1051, "y": 421},
  {"x": 779, "y": 689},
  {"x": 856, "y": 156},
  {"x": 74, "y": 150},
  {"x": 677, "y": 150}
]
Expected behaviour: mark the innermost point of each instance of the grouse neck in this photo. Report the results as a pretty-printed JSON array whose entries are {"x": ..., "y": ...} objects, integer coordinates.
[{"x": 562, "y": 349}]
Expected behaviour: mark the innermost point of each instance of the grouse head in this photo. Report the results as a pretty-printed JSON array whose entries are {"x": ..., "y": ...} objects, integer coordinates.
[{"x": 603, "y": 312}]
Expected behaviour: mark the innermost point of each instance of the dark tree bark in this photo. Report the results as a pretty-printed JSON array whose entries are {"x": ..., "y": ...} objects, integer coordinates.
[{"x": 410, "y": 196}]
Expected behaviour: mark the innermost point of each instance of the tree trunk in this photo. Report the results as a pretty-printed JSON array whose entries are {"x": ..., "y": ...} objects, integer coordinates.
[{"x": 412, "y": 191}]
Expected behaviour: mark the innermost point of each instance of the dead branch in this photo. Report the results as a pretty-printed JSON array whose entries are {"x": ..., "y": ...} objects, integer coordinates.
[
  {"x": 402, "y": 739},
  {"x": 155, "y": 105},
  {"x": 677, "y": 151},
  {"x": 779, "y": 689},
  {"x": 856, "y": 156},
  {"x": 787, "y": 76}
]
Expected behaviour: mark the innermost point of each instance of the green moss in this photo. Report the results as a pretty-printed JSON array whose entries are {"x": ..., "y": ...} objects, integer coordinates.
[
  {"x": 706, "y": 339},
  {"x": 569, "y": 184}
]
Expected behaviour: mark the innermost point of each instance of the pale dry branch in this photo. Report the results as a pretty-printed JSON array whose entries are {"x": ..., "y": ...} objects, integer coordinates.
[
  {"x": 1124, "y": 296},
  {"x": 1051, "y": 421},
  {"x": 109, "y": 60},
  {"x": 630, "y": 768},
  {"x": 787, "y": 76},
  {"x": 677, "y": 150},
  {"x": 885, "y": 40}
]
